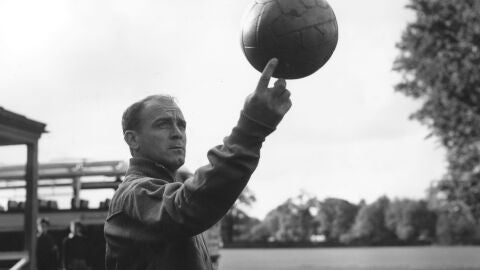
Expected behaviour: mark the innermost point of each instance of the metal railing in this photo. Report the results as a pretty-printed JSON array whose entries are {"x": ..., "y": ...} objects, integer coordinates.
[
  {"x": 21, "y": 256},
  {"x": 65, "y": 170}
]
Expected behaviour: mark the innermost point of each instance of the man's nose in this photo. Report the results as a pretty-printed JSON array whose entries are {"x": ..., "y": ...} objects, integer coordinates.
[{"x": 177, "y": 132}]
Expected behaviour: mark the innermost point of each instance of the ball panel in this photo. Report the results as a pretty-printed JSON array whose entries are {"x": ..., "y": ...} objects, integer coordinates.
[
  {"x": 309, "y": 3},
  {"x": 291, "y": 8},
  {"x": 258, "y": 58},
  {"x": 287, "y": 43},
  {"x": 250, "y": 21},
  {"x": 299, "y": 21},
  {"x": 319, "y": 35},
  {"x": 323, "y": 3},
  {"x": 294, "y": 69},
  {"x": 270, "y": 13},
  {"x": 288, "y": 69}
]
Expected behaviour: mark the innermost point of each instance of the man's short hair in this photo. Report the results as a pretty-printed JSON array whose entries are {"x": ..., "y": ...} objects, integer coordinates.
[{"x": 131, "y": 118}]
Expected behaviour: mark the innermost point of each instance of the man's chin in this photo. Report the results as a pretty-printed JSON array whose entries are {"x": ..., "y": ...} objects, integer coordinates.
[
  {"x": 177, "y": 164},
  {"x": 181, "y": 162}
]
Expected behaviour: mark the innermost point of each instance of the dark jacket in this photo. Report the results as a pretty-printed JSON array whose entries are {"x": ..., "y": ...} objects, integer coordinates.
[
  {"x": 47, "y": 252},
  {"x": 155, "y": 222},
  {"x": 75, "y": 250}
]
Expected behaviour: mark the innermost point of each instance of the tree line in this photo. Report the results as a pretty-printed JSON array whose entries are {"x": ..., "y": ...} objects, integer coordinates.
[{"x": 333, "y": 221}]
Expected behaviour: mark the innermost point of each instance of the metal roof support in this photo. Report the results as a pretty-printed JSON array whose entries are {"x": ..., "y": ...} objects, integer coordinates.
[{"x": 31, "y": 203}]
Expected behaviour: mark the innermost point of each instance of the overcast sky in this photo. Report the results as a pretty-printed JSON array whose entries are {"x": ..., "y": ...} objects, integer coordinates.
[{"x": 76, "y": 65}]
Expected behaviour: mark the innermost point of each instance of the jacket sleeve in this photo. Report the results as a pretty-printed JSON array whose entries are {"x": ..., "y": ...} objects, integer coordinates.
[{"x": 189, "y": 208}]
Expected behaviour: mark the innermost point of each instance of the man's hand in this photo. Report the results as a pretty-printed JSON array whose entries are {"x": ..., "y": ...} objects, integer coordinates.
[{"x": 269, "y": 105}]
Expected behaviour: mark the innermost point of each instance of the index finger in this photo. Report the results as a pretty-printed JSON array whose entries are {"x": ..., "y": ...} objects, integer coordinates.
[{"x": 267, "y": 74}]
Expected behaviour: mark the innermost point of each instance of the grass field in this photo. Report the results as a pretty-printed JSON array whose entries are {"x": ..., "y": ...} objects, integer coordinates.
[{"x": 384, "y": 258}]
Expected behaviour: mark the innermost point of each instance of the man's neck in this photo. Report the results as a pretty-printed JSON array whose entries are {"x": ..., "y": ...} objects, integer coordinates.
[{"x": 150, "y": 168}]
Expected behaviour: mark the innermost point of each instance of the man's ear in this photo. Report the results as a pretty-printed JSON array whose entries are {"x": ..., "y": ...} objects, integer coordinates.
[{"x": 131, "y": 138}]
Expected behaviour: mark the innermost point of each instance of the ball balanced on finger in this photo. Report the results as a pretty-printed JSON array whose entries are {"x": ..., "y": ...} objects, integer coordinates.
[{"x": 301, "y": 34}]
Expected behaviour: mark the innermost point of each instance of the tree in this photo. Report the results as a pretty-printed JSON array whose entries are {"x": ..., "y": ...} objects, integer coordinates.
[
  {"x": 369, "y": 227},
  {"x": 292, "y": 221},
  {"x": 411, "y": 220},
  {"x": 236, "y": 221},
  {"x": 240, "y": 225},
  {"x": 456, "y": 224},
  {"x": 260, "y": 233},
  {"x": 336, "y": 217},
  {"x": 440, "y": 62}
]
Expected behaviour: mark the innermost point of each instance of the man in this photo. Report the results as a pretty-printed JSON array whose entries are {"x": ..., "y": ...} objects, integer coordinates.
[
  {"x": 47, "y": 250},
  {"x": 155, "y": 222},
  {"x": 75, "y": 249}
]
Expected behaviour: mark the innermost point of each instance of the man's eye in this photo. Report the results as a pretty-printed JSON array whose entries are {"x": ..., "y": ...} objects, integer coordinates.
[{"x": 162, "y": 124}]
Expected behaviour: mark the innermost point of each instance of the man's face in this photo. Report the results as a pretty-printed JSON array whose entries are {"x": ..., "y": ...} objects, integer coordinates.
[
  {"x": 161, "y": 137},
  {"x": 42, "y": 227}
]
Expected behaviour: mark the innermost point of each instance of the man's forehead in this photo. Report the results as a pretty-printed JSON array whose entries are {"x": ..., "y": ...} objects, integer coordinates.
[{"x": 163, "y": 107}]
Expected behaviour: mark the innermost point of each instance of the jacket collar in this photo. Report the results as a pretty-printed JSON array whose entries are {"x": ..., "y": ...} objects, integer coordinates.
[{"x": 148, "y": 168}]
